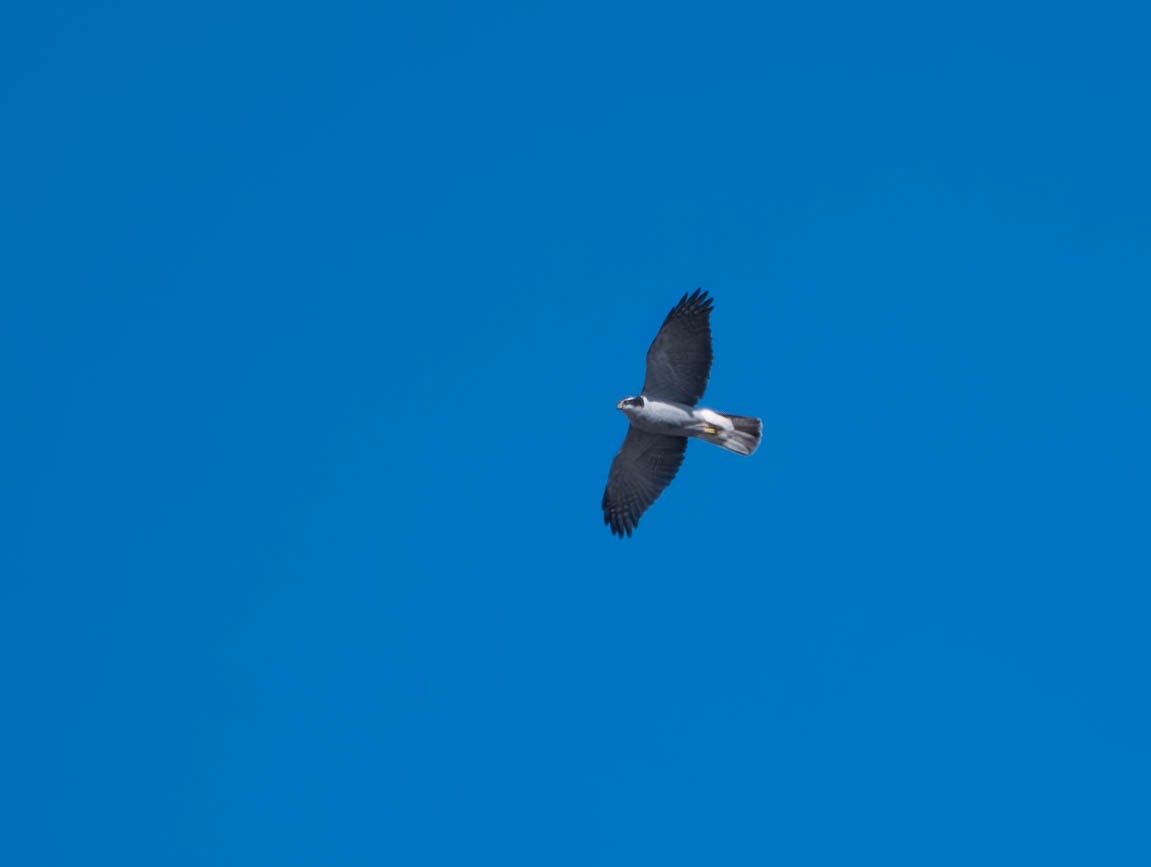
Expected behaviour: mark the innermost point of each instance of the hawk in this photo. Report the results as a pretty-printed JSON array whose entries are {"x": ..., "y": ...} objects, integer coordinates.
[{"x": 663, "y": 416}]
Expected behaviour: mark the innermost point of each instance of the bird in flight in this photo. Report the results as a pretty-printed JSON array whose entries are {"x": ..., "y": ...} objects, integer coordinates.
[{"x": 663, "y": 416}]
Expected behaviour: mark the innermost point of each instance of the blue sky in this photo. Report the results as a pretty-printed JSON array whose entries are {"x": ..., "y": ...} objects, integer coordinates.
[{"x": 313, "y": 323}]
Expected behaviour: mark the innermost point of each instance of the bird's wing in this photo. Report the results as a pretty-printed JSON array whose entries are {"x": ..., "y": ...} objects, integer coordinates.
[
  {"x": 643, "y": 468},
  {"x": 679, "y": 360}
]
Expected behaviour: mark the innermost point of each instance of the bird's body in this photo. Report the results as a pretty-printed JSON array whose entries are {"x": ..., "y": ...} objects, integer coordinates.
[
  {"x": 664, "y": 416},
  {"x": 678, "y": 419}
]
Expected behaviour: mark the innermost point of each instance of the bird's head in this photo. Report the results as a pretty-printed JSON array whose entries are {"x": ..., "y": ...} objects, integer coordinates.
[{"x": 630, "y": 404}]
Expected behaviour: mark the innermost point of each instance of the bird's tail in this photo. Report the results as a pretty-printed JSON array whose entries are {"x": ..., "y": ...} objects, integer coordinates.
[{"x": 743, "y": 437}]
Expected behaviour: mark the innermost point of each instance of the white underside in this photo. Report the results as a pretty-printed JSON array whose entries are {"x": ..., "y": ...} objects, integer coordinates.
[{"x": 676, "y": 419}]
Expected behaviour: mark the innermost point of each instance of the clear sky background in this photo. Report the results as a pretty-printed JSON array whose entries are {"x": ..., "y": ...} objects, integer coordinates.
[{"x": 313, "y": 319}]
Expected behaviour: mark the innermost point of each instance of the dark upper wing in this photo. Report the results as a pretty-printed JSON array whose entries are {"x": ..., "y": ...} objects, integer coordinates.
[
  {"x": 679, "y": 360},
  {"x": 643, "y": 468}
]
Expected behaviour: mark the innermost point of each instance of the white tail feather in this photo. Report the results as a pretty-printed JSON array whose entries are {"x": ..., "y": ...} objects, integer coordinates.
[{"x": 743, "y": 437}]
